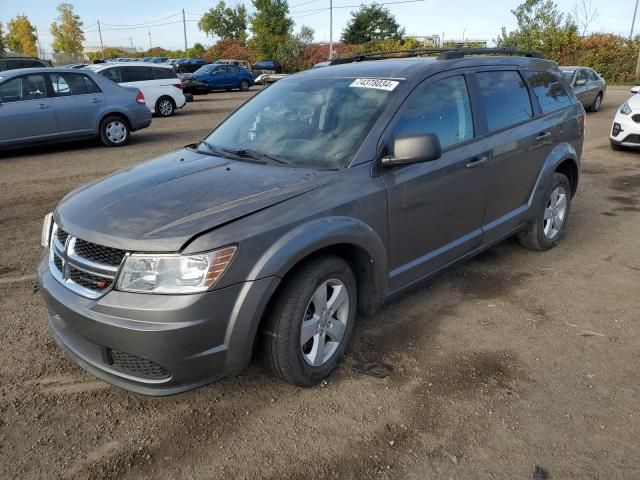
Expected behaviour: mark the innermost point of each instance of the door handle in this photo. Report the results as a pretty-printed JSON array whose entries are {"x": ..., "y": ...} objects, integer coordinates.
[
  {"x": 95, "y": 100},
  {"x": 43, "y": 105},
  {"x": 477, "y": 161},
  {"x": 543, "y": 136}
]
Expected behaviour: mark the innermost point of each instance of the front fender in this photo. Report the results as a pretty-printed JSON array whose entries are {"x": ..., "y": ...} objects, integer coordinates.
[{"x": 305, "y": 239}]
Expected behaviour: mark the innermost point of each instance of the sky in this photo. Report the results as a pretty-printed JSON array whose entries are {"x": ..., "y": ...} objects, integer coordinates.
[{"x": 123, "y": 22}]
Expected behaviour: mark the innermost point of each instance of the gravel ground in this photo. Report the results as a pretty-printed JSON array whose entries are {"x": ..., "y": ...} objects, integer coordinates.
[{"x": 513, "y": 361}]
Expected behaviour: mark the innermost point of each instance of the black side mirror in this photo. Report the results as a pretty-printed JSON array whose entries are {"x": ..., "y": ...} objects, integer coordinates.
[{"x": 413, "y": 149}]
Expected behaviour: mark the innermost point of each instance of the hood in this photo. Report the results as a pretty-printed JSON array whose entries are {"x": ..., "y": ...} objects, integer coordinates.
[
  {"x": 159, "y": 205},
  {"x": 634, "y": 102}
]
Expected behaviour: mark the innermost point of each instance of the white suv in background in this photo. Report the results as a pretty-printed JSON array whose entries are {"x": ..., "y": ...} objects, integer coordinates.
[{"x": 160, "y": 85}]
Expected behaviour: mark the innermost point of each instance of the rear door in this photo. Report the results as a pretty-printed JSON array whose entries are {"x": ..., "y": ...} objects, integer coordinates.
[
  {"x": 435, "y": 208},
  {"x": 142, "y": 77},
  {"x": 25, "y": 110},
  {"x": 582, "y": 88},
  {"x": 519, "y": 137},
  {"x": 77, "y": 101}
]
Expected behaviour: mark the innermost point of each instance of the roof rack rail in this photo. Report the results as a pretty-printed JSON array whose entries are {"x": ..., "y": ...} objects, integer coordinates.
[{"x": 443, "y": 54}]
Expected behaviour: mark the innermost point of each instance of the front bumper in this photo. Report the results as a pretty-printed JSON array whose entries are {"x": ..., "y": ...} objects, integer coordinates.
[
  {"x": 157, "y": 344},
  {"x": 625, "y": 131}
]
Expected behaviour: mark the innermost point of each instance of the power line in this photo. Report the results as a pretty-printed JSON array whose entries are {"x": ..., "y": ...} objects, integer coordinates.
[
  {"x": 361, "y": 5},
  {"x": 143, "y": 24},
  {"x": 303, "y": 3}
]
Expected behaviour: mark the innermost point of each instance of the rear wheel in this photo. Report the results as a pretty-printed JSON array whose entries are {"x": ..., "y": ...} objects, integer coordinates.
[
  {"x": 165, "y": 107},
  {"x": 244, "y": 85},
  {"x": 551, "y": 219},
  {"x": 597, "y": 103},
  {"x": 114, "y": 131},
  {"x": 308, "y": 328}
]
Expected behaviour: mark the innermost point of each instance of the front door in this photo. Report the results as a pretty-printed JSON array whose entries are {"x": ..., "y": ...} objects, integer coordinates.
[
  {"x": 25, "y": 111},
  {"x": 435, "y": 208}
]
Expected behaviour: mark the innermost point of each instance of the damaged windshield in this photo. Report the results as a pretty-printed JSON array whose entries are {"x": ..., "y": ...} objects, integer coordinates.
[{"x": 314, "y": 123}]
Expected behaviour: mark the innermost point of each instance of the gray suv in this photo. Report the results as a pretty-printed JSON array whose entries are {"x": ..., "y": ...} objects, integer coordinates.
[
  {"x": 319, "y": 198},
  {"x": 59, "y": 104}
]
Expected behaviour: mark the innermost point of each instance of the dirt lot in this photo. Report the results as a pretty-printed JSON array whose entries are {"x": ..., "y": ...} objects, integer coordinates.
[{"x": 512, "y": 361}]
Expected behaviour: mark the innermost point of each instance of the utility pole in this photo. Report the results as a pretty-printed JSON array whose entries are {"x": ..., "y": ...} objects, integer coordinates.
[
  {"x": 101, "y": 45},
  {"x": 184, "y": 28},
  {"x": 131, "y": 42},
  {"x": 330, "y": 29},
  {"x": 633, "y": 22},
  {"x": 38, "y": 40},
  {"x": 150, "y": 39}
]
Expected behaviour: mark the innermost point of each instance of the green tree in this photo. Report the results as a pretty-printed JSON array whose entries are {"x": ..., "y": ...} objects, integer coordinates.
[
  {"x": 542, "y": 27},
  {"x": 225, "y": 22},
  {"x": 67, "y": 32},
  {"x": 3, "y": 43},
  {"x": 271, "y": 27},
  {"x": 21, "y": 37},
  {"x": 196, "y": 51},
  {"x": 291, "y": 50},
  {"x": 371, "y": 22}
]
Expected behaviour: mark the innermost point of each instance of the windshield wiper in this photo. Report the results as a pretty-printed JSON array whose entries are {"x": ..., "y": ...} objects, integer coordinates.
[{"x": 248, "y": 153}]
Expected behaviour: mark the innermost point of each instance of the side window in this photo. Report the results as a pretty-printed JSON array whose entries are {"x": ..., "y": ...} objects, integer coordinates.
[
  {"x": 114, "y": 74},
  {"x": 27, "y": 87},
  {"x": 505, "y": 98},
  {"x": 549, "y": 91},
  {"x": 136, "y": 74},
  {"x": 582, "y": 75},
  {"x": 442, "y": 108},
  {"x": 65, "y": 84},
  {"x": 593, "y": 76},
  {"x": 232, "y": 69},
  {"x": 164, "y": 73},
  {"x": 90, "y": 85}
]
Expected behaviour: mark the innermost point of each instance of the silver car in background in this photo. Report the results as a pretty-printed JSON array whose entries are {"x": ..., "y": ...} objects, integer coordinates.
[
  {"x": 588, "y": 86},
  {"x": 60, "y": 104}
]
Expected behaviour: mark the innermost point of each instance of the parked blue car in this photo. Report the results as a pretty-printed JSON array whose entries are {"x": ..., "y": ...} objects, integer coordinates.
[{"x": 220, "y": 76}]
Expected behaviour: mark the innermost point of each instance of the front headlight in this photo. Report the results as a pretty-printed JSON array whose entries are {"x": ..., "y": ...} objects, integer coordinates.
[
  {"x": 171, "y": 274},
  {"x": 625, "y": 109}
]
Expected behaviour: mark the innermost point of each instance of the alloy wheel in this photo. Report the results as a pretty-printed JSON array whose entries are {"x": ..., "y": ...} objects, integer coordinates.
[
  {"x": 555, "y": 213},
  {"x": 324, "y": 322},
  {"x": 165, "y": 107}
]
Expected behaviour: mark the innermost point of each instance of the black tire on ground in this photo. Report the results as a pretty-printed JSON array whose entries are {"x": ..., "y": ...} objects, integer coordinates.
[
  {"x": 183, "y": 70},
  {"x": 244, "y": 86},
  {"x": 114, "y": 131},
  {"x": 280, "y": 337},
  {"x": 534, "y": 237},
  {"x": 165, "y": 106},
  {"x": 617, "y": 148},
  {"x": 597, "y": 103}
]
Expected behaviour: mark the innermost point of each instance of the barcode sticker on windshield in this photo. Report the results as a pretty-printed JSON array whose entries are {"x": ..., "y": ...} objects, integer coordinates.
[{"x": 376, "y": 83}]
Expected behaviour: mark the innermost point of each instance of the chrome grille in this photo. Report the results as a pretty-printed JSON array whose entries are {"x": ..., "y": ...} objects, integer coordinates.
[{"x": 87, "y": 269}]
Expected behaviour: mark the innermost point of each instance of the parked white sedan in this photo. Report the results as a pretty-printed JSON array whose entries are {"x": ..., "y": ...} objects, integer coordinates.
[
  {"x": 159, "y": 83},
  {"x": 625, "y": 131}
]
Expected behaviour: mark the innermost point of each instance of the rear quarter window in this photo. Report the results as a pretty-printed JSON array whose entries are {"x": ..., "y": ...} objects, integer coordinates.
[
  {"x": 136, "y": 74},
  {"x": 505, "y": 98},
  {"x": 549, "y": 91},
  {"x": 164, "y": 74}
]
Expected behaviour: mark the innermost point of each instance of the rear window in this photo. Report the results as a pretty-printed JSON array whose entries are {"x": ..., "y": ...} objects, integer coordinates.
[
  {"x": 549, "y": 90},
  {"x": 164, "y": 73},
  {"x": 505, "y": 97},
  {"x": 136, "y": 74},
  {"x": 66, "y": 84}
]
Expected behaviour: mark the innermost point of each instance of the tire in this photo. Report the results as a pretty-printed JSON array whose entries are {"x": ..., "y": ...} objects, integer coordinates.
[
  {"x": 297, "y": 359},
  {"x": 183, "y": 70},
  {"x": 165, "y": 106},
  {"x": 552, "y": 216},
  {"x": 244, "y": 86},
  {"x": 597, "y": 103},
  {"x": 114, "y": 131}
]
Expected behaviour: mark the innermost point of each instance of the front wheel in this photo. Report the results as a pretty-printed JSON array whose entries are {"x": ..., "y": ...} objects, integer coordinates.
[
  {"x": 165, "y": 107},
  {"x": 550, "y": 222},
  {"x": 309, "y": 326},
  {"x": 114, "y": 131},
  {"x": 244, "y": 85},
  {"x": 597, "y": 103}
]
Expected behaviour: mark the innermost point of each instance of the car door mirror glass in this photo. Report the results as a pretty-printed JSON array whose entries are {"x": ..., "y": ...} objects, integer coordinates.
[{"x": 414, "y": 149}]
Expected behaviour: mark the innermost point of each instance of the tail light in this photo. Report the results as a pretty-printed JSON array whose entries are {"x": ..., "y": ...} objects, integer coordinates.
[
  {"x": 178, "y": 85},
  {"x": 140, "y": 98}
]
